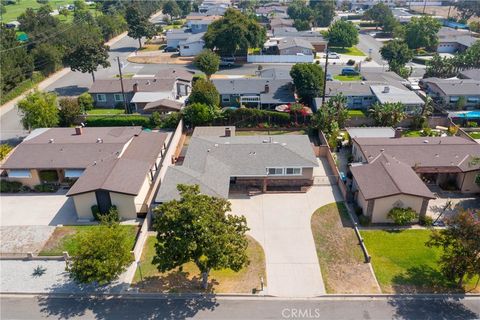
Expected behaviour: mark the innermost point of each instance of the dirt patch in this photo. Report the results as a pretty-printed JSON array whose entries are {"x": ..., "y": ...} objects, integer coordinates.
[
  {"x": 339, "y": 254},
  {"x": 441, "y": 11},
  {"x": 159, "y": 57},
  {"x": 16, "y": 240},
  {"x": 57, "y": 237}
]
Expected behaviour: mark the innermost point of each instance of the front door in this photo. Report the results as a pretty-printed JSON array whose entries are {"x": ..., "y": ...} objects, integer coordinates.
[{"x": 103, "y": 201}]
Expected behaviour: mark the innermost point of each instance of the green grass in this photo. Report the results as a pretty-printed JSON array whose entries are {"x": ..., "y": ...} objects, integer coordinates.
[
  {"x": 412, "y": 133},
  {"x": 474, "y": 135},
  {"x": 64, "y": 239},
  {"x": 348, "y": 78},
  {"x": 352, "y": 51},
  {"x": 15, "y": 10},
  {"x": 37, "y": 77},
  {"x": 271, "y": 132},
  {"x": 402, "y": 262},
  {"x": 356, "y": 114},
  {"x": 126, "y": 75},
  {"x": 105, "y": 111}
]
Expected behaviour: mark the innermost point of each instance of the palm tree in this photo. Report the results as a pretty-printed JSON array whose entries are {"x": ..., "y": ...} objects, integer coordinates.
[{"x": 387, "y": 114}]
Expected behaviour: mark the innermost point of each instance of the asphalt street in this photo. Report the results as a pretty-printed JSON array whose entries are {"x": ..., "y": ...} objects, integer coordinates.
[{"x": 31, "y": 307}]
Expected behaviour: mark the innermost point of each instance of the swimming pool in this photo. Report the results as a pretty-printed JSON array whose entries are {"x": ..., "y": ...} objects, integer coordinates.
[{"x": 468, "y": 115}]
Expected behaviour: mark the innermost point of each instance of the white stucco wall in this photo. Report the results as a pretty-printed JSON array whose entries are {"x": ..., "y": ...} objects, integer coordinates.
[
  {"x": 125, "y": 205},
  {"x": 83, "y": 205},
  {"x": 383, "y": 205},
  {"x": 466, "y": 181},
  {"x": 142, "y": 195},
  {"x": 191, "y": 49}
]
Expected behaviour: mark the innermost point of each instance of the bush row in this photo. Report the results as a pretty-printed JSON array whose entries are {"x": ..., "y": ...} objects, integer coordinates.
[
  {"x": 246, "y": 117},
  {"x": 119, "y": 121}
]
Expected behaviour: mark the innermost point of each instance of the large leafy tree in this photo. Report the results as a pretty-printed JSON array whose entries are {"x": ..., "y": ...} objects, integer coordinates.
[
  {"x": 441, "y": 67},
  {"x": 87, "y": 55},
  {"x": 330, "y": 117},
  {"x": 323, "y": 12},
  {"x": 103, "y": 254},
  {"x": 342, "y": 34},
  {"x": 380, "y": 13},
  {"x": 460, "y": 243},
  {"x": 298, "y": 10},
  {"x": 207, "y": 62},
  {"x": 387, "y": 114},
  {"x": 69, "y": 111},
  {"x": 172, "y": 9},
  {"x": 397, "y": 53},
  {"x": 39, "y": 110},
  {"x": 308, "y": 81},
  {"x": 233, "y": 33},
  {"x": 205, "y": 92},
  {"x": 198, "y": 114},
  {"x": 422, "y": 33},
  {"x": 138, "y": 24},
  {"x": 468, "y": 8},
  {"x": 196, "y": 228}
]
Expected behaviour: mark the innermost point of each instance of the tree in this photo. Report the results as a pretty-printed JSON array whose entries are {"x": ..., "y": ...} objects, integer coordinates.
[
  {"x": 198, "y": 229},
  {"x": 397, "y": 53},
  {"x": 331, "y": 116},
  {"x": 440, "y": 67},
  {"x": 308, "y": 81},
  {"x": 402, "y": 216},
  {"x": 39, "y": 110},
  {"x": 207, "y": 62},
  {"x": 342, "y": 34},
  {"x": 234, "y": 32},
  {"x": 197, "y": 114},
  {"x": 420, "y": 119},
  {"x": 103, "y": 254},
  {"x": 468, "y": 9},
  {"x": 422, "y": 33},
  {"x": 380, "y": 13},
  {"x": 69, "y": 111},
  {"x": 460, "y": 243},
  {"x": 87, "y": 56},
  {"x": 302, "y": 25},
  {"x": 299, "y": 11},
  {"x": 85, "y": 101},
  {"x": 48, "y": 56},
  {"x": 172, "y": 9},
  {"x": 205, "y": 92},
  {"x": 388, "y": 114},
  {"x": 185, "y": 6},
  {"x": 323, "y": 12},
  {"x": 138, "y": 25}
]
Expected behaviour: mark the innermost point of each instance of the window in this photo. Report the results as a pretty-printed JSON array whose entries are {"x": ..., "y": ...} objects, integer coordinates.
[
  {"x": 225, "y": 98},
  {"x": 454, "y": 99},
  {"x": 275, "y": 171},
  {"x": 293, "y": 171},
  {"x": 186, "y": 47},
  {"x": 101, "y": 97},
  {"x": 118, "y": 97}
]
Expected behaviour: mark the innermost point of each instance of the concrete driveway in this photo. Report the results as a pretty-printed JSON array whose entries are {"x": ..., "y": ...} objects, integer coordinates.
[{"x": 281, "y": 223}]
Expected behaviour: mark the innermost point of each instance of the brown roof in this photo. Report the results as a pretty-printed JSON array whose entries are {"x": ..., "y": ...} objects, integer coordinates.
[
  {"x": 424, "y": 151},
  {"x": 127, "y": 173},
  {"x": 63, "y": 148},
  {"x": 386, "y": 176},
  {"x": 164, "y": 104}
]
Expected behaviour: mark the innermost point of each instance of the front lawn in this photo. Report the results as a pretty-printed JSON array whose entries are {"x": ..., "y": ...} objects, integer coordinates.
[
  {"x": 339, "y": 254},
  {"x": 475, "y": 135},
  {"x": 339, "y": 77},
  {"x": 272, "y": 132},
  {"x": 403, "y": 264},
  {"x": 356, "y": 114},
  {"x": 188, "y": 279},
  {"x": 352, "y": 51},
  {"x": 105, "y": 111},
  {"x": 64, "y": 239}
]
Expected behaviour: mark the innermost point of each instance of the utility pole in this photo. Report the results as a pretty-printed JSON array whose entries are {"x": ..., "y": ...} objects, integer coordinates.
[
  {"x": 325, "y": 77},
  {"x": 127, "y": 111}
]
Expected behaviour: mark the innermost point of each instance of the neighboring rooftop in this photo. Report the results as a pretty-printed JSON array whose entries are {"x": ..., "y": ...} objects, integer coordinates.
[
  {"x": 371, "y": 132},
  {"x": 473, "y": 74},
  {"x": 291, "y": 42},
  {"x": 455, "y": 86},
  {"x": 392, "y": 94}
]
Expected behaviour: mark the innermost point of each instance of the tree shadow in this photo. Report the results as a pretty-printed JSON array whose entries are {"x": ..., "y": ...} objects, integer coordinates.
[
  {"x": 448, "y": 308},
  {"x": 73, "y": 90},
  {"x": 176, "y": 281},
  {"x": 423, "y": 279}
]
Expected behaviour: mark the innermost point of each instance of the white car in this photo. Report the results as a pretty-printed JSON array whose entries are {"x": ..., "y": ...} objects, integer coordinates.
[{"x": 332, "y": 55}]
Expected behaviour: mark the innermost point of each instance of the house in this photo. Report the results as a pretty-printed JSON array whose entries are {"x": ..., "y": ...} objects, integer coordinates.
[
  {"x": 295, "y": 46},
  {"x": 104, "y": 166},
  {"x": 273, "y": 10},
  {"x": 220, "y": 162},
  {"x": 391, "y": 94},
  {"x": 169, "y": 84},
  {"x": 444, "y": 161},
  {"x": 262, "y": 93},
  {"x": 453, "y": 92},
  {"x": 175, "y": 36},
  {"x": 451, "y": 40},
  {"x": 279, "y": 22},
  {"x": 213, "y": 5},
  {"x": 193, "y": 45},
  {"x": 314, "y": 37},
  {"x": 199, "y": 23},
  {"x": 473, "y": 74},
  {"x": 385, "y": 183},
  {"x": 371, "y": 132}
]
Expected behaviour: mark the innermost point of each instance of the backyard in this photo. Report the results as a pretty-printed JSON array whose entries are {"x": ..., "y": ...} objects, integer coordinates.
[
  {"x": 356, "y": 114},
  {"x": 187, "y": 278},
  {"x": 273, "y": 132},
  {"x": 64, "y": 239},
  {"x": 15, "y": 10},
  {"x": 403, "y": 264},
  {"x": 339, "y": 254},
  {"x": 351, "y": 51},
  {"x": 339, "y": 77}
]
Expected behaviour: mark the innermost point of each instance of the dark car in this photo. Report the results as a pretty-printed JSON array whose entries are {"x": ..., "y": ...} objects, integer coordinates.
[
  {"x": 170, "y": 49},
  {"x": 350, "y": 72}
]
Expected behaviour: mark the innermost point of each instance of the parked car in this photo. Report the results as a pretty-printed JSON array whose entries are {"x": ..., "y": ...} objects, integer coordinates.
[
  {"x": 170, "y": 49},
  {"x": 332, "y": 55},
  {"x": 350, "y": 72},
  {"x": 227, "y": 61},
  {"x": 413, "y": 84},
  {"x": 329, "y": 77}
]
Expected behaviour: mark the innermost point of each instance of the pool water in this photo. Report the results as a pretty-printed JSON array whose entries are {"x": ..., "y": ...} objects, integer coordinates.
[{"x": 469, "y": 115}]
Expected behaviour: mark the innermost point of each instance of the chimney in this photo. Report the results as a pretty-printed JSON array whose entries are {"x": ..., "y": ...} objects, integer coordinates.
[
  {"x": 135, "y": 87},
  {"x": 78, "y": 130},
  {"x": 386, "y": 89},
  {"x": 398, "y": 133},
  {"x": 228, "y": 132},
  {"x": 267, "y": 88}
]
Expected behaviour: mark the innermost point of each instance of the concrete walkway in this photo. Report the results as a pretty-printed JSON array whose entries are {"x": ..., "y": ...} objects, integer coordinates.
[{"x": 281, "y": 224}]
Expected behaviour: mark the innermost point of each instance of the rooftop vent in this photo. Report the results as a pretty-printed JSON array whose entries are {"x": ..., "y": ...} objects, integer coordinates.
[
  {"x": 425, "y": 141},
  {"x": 78, "y": 130},
  {"x": 386, "y": 89},
  {"x": 437, "y": 155},
  {"x": 51, "y": 140},
  {"x": 99, "y": 140},
  {"x": 216, "y": 145}
]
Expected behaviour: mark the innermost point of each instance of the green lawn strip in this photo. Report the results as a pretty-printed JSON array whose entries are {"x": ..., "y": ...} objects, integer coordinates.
[
  {"x": 271, "y": 132},
  {"x": 68, "y": 242},
  {"x": 105, "y": 111},
  {"x": 37, "y": 77},
  {"x": 15, "y": 10},
  {"x": 188, "y": 278},
  {"x": 348, "y": 78},
  {"x": 356, "y": 114},
  {"x": 402, "y": 262},
  {"x": 352, "y": 51},
  {"x": 475, "y": 135},
  {"x": 412, "y": 133}
]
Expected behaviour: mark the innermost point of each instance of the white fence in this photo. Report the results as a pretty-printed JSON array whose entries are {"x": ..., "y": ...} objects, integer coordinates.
[
  {"x": 279, "y": 58},
  {"x": 171, "y": 147}
]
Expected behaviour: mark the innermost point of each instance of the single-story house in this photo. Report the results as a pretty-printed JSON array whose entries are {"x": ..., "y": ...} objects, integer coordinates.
[
  {"x": 392, "y": 94},
  {"x": 175, "y": 36},
  {"x": 451, "y": 40},
  {"x": 450, "y": 91},
  {"x": 294, "y": 46},
  {"x": 448, "y": 162},
  {"x": 169, "y": 84},
  {"x": 275, "y": 10},
  {"x": 473, "y": 74},
  {"x": 220, "y": 162},
  {"x": 315, "y": 38},
  {"x": 193, "y": 45},
  {"x": 200, "y": 23},
  {"x": 279, "y": 22},
  {"x": 105, "y": 166}
]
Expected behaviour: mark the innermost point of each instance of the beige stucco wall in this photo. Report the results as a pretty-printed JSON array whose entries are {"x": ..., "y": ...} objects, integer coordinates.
[
  {"x": 383, "y": 205},
  {"x": 141, "y": 197},
  {"x": 362, "y": 203},
  {"x": 466, "y": 182},
  {"x": 125, "y": 205},
  {"x": 307, "y": 173},
  {"x": 83, "y": 204},
  {"x": 31, "y": 182}
]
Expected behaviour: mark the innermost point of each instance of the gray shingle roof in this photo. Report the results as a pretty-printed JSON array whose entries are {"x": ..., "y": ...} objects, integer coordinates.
[
  {"x": 452, "y": 87},
  {"x": 395, "y": 94},
  {"x": 280, "y": 90},
  {"x": 290, "y": 42}
]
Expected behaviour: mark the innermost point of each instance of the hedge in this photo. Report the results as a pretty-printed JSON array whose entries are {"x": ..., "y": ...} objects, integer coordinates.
[
  {"x": 48, "y": 175},
  {"x": 10, "y": 186},
  {"x": 118, "y": 121},
  {"x": 245, "y": 117},
  {"x": 367, "y": 24}
]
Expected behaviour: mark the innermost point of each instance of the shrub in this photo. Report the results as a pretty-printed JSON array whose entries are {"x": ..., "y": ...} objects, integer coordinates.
[
  {"x": 10, "y": 186},
  {"x": 45, "y": 187},
  {"x": 471, "y": 124},
  {"x": 48, "y": 175},
  {"x": 364, "y": 220},
  {"x": 358, "y": 211},
  {"x": 171, "y": 120},
  {"x": 111, "y": 217},
  {"x": 118, "y": 121},
  {"x": 402, "y": 216},
  {"x": 426, "y": 221},
  {"x": 350, "y": 62},
  {"x": 95, "y": 212},
  {"x": 5, "y": 150},
  {"x": 246, "y": 117},
  {"x": 368, "y": 59},
  {"x": 85, "y": 101}
]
